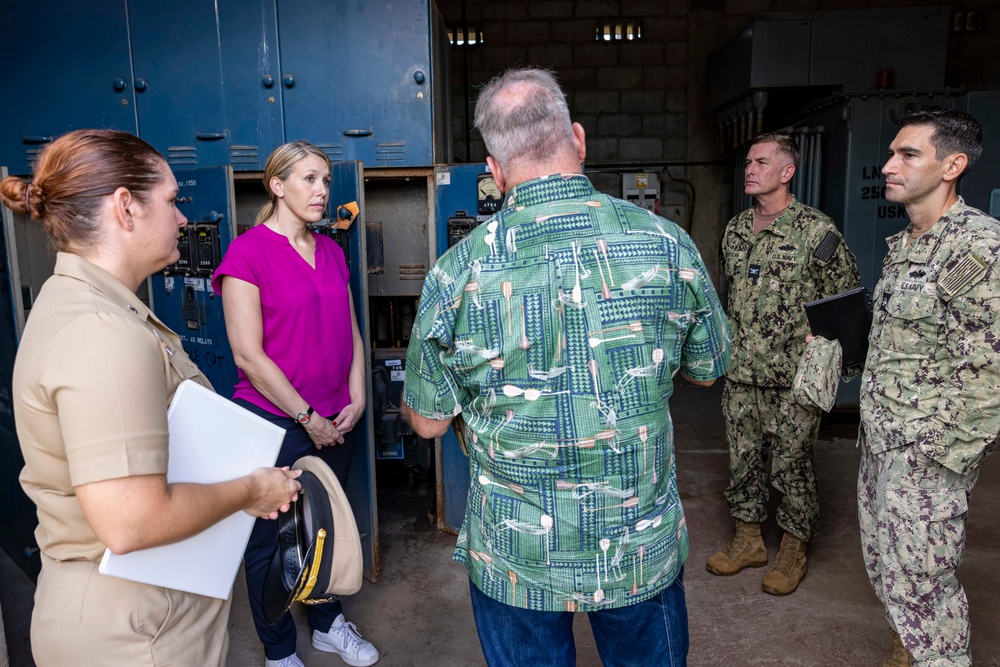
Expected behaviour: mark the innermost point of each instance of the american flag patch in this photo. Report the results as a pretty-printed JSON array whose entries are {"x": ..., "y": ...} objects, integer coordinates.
[
  {"x": 824, "y": 251},
  {"x": 970, "y": 269}
]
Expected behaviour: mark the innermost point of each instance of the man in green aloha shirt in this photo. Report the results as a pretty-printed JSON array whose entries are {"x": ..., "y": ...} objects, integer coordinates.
[{"x": 556, "y": 329}]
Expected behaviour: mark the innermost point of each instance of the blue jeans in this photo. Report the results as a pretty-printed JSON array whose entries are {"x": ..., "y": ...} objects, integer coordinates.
[
  {"x": 279, "y": 639},
  {"x": 653, "y": 633}
]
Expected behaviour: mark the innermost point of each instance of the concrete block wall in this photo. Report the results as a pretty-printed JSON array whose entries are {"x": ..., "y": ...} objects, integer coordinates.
[
  {"x": 644, "y": 100},
  {"x": 629, "y": 96}
]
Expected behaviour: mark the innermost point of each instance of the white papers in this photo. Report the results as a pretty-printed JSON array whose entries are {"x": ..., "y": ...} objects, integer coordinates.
[{"x": 211, "y": 440}]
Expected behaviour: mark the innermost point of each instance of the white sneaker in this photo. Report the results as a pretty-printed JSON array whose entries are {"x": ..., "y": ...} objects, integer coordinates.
[
  {"x": 290, "y": 661},
  {"x": 345, "y": 640}
]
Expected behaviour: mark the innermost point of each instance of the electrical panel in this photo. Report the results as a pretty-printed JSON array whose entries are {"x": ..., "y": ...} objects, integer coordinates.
[
  {"x": 388, "y": 372},
  {"x": 467, "y": 196},
  {"x": 199, "y": 251},
  {"x": 459, "y": 226},
  {"x": 181, "y": 295},
  {"x": 643, "y": 190}
]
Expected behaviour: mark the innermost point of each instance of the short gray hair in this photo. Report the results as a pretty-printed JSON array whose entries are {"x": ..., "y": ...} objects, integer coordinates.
[
  {"x": 522, "y": 115},
  {"x": 786, "y": 145}
]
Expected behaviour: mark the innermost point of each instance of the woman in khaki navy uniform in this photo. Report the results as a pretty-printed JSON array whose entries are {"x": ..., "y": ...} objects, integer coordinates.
[{"x": 94, "y": 375}]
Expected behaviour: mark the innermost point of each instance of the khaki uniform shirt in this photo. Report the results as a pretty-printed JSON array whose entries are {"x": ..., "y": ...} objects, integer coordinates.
[
  {"x": 94, "y": 374},
  {"x": 798, "y": 258},
  {"x": 932, "y": 377}
]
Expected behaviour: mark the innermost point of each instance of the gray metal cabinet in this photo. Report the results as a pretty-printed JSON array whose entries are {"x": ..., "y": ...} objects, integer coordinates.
[
  {"x": 73, "y": 71},
  {"x": 176, "y": 59},
  {"x": 17, "y": 531}
]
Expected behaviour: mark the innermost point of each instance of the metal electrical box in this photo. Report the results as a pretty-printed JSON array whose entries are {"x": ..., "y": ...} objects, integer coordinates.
[
  {"x": 643, "y": 190},
  {"x": 464, "y": 200},
  {"x": 182, "y": 296}
]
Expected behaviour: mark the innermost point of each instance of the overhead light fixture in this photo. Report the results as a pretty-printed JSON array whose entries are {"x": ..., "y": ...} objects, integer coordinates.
[
  {"x": 468, "y": 35},
  {"x": 619, "y": 30}
]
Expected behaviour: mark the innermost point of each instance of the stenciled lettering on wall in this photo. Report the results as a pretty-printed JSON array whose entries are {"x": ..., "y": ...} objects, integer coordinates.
[{"x": 883, "y": 211}]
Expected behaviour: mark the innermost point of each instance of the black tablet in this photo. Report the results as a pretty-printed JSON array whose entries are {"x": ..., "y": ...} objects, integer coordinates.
[{"x": 846, "y": 317}]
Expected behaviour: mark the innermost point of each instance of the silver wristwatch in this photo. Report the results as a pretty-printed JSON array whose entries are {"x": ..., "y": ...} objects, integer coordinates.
[{"x": 304, "y": 416}]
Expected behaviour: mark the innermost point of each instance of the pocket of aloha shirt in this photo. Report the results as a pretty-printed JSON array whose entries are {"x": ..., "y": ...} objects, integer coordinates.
[
  {"x": 926, "y": 530},
  {"x": 818, "y": 374}
]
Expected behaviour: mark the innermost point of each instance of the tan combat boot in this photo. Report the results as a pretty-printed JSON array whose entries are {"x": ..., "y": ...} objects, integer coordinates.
[
  {"x": 789, "y": 567},
  {"x": 900, "y": 656},
  {"x": 746, "y": 550}
]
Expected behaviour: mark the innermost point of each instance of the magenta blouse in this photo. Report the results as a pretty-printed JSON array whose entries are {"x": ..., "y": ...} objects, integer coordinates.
[{"x": 306, "y": 315}]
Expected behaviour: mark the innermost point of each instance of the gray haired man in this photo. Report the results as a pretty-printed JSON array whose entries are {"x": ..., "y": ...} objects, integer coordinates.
[{"x": 556, "y": 329}]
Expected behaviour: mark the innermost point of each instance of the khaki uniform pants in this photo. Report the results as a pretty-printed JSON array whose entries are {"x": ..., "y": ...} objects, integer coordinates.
[{"x": 82, "y": 617}]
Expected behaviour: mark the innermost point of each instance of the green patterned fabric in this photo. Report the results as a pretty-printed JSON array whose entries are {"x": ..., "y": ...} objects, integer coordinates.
[{"x": 556, "y": 328}]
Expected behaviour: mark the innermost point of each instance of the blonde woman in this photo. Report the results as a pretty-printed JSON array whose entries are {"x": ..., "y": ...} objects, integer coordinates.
[{"x": 291, "y": 324}]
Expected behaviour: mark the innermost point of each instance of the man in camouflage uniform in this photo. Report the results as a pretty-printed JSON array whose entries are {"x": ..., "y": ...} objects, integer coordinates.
[
  {"x": 929, "y": 403},
  {"x": 779, "y": 255}
]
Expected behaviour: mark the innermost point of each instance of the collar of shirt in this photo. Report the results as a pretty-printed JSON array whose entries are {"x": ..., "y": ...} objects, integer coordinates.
[
  {"x": 920, "y": 249},
  {"x": 549, "y": 188},
  {"x": 80, "y": 268},
  {"x": 779, "y": 227}
]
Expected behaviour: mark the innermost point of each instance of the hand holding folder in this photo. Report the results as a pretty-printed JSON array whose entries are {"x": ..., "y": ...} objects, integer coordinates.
[
  {"x": 846, "y": 317},
  {"x": 212, "y": 440}
]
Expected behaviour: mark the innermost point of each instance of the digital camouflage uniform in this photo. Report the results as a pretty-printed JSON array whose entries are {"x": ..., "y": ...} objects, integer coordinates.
[
  {"x": 800, "y": 257},
  {"x": 930, "y": 413}
]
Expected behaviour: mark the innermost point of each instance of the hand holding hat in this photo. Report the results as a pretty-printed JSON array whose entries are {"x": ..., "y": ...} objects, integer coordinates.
[
  {"x": 818, "y": 373},
  {"x": 274, "y": 490},
  {"x": 319, "y": 547}
]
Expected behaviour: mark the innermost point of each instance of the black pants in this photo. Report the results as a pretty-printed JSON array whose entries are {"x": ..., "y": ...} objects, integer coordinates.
[{"x": 279, "y": 639}]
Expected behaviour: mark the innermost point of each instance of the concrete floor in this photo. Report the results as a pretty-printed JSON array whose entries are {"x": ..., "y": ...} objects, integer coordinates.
[{"x": 419, "y": 613}]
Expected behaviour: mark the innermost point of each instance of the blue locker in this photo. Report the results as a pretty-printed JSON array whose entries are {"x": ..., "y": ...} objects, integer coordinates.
[
  {"x": 357, "y": 79},
  {"x": 178, "y": 81},
  {"x": 73, "y": 71},
  {"x": 251, "y": 81},
  {"x": 17, "y": 531}
]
